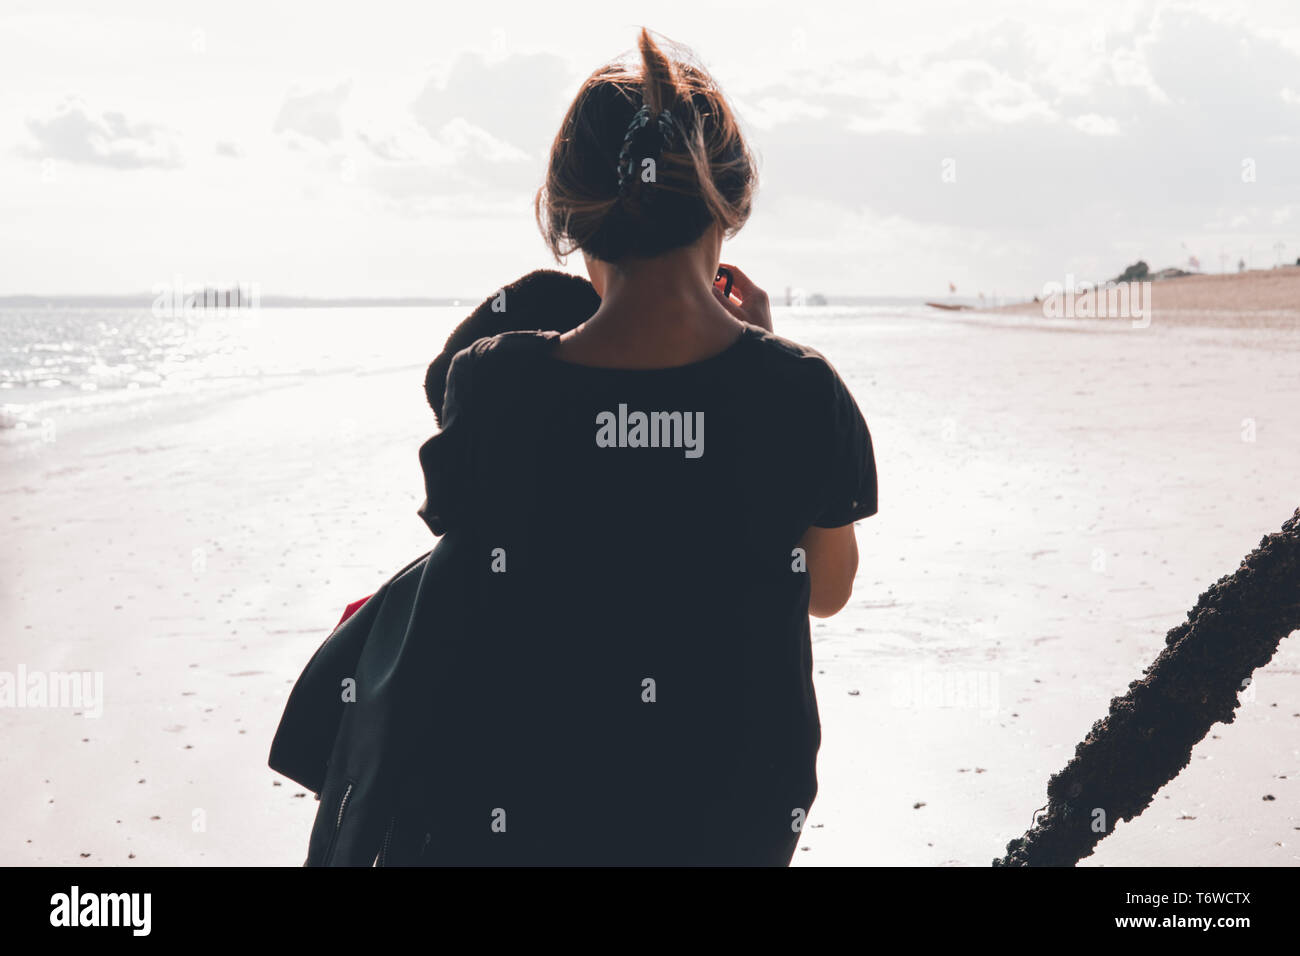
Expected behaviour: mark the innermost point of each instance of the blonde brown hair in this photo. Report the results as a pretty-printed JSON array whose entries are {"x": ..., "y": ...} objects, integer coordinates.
[{"x": 703, "y": 173}]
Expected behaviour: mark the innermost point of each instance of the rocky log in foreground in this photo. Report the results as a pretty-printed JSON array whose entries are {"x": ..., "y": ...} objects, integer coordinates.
[{"x": 1147, "y": 738}]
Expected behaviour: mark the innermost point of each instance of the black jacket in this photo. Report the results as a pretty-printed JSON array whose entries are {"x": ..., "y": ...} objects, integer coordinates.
[
  {"x": 369, "y": 758},
  {"x": 375, "y": 763}
]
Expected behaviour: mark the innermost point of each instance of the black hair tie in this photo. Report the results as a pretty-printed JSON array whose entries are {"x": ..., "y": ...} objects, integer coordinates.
[{"x": 664, "y": 124}]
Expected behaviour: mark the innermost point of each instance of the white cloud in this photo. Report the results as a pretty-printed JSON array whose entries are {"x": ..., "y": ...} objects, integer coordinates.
[
  {"x": 1095, "y": 125},
  {"x": 75, "y": 134},
  {"x": 518, "y": 99},
  {"x": 314, "y": 114},
  {"x": 770, "y": 111},
  {"x": 471, "y": 144}
]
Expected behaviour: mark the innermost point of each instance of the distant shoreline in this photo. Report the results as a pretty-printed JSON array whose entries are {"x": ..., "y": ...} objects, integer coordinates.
[
  {"x": 145, "y": 301},
  {"x": 270, "y": 301}
]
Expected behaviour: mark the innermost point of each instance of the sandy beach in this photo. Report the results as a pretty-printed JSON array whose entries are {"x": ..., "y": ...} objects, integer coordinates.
[
  {"x": 1053, "y": 497},
  {"x": 1259, "y": 298}
]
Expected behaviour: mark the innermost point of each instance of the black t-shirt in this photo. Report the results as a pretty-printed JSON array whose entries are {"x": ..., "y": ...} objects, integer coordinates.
[{"x": 637, "y": 685}]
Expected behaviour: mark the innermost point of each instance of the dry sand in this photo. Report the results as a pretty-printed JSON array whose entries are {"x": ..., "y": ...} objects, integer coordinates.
[
  {"x": 1259, "y": 298},
  {"x": 1053, "y": 498}
]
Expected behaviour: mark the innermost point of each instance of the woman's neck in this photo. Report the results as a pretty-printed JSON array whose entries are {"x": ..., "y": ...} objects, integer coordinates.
[{"x": 653, "y": 313}]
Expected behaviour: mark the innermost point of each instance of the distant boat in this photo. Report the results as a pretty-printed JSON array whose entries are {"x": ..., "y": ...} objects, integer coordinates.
[{"x": 948, "y": 306}]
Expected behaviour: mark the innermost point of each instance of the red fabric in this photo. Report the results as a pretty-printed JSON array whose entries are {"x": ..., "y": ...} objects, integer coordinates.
[{"x": 353, "y": 608}]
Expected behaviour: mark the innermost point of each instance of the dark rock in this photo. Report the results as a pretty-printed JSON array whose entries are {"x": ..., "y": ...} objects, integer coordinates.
[{"x": 1147, "y": 737}]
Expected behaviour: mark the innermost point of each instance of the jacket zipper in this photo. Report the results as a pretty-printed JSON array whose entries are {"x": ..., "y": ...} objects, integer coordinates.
[
  {"x": 388, "y": 836},
  {"x": 338, "y": 824}
]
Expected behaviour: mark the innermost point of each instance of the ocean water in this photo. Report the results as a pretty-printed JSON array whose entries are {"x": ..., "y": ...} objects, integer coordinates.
[
  {"x": 57, "y": 361},
  {"x": 60, "y": 363}
]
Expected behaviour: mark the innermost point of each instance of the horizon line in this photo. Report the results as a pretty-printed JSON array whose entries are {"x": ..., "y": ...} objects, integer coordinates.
[{"x": 128, "y": 299}]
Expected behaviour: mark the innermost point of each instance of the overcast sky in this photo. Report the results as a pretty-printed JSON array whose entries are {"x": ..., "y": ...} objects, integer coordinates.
[{"x": 395, "y": 149}]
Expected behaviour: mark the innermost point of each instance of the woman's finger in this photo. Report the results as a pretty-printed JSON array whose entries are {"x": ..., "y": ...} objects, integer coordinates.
[
  {"x": 753, "y": 300},
  {"x": 731, "y": 305},
  {"x": 741, "y": 283}
]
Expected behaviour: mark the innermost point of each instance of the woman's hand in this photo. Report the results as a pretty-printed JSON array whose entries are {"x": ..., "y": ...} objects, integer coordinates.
[{"x": 752, "y": 307}]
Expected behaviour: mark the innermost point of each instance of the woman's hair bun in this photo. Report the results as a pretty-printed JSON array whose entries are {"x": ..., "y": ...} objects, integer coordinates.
[{"x": 647, "y": 157}]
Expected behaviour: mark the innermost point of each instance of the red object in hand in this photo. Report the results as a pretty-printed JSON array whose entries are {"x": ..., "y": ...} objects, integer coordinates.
[{"x": 352, "y": 609}]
